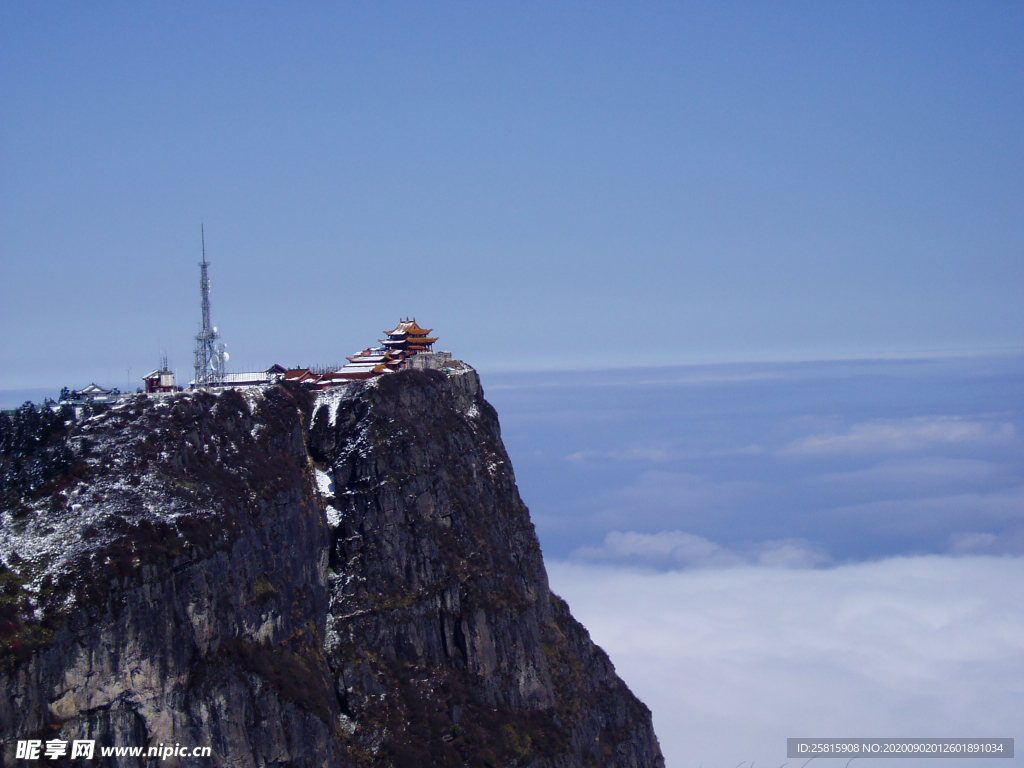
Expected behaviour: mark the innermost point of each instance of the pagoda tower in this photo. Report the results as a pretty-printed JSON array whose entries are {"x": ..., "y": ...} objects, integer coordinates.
[{"x": 408, "y": 337}]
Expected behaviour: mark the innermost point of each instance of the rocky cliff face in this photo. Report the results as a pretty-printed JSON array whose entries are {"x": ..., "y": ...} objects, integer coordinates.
[{"x": 342, "y": 580}]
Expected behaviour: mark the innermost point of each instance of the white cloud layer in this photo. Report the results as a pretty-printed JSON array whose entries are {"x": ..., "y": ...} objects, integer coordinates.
[
  {"x": 904, "y": 435},
  {"x": 631, "y": 454},
  {"x": 732, "y": 661},
  {"x": 678, "y": 549}
]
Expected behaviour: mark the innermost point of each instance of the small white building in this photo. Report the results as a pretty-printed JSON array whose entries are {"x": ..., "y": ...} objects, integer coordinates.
[{"x": 160, "y": 380}]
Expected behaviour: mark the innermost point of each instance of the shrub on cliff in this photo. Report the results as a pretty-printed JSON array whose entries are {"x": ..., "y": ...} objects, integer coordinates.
[{"x": 33, "y": 450}]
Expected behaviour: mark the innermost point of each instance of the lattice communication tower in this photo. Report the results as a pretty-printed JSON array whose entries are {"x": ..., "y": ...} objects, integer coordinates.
[{"x": 210, "y": 357}]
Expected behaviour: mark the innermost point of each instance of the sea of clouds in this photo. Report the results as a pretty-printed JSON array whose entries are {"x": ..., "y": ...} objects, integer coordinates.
[
  {"x": 788, "y": 549},
  {"x": 733, "y": 660}
]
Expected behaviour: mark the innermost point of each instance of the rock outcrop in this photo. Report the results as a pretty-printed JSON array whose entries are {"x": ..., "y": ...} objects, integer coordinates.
[{"x": 342, "y": 579}]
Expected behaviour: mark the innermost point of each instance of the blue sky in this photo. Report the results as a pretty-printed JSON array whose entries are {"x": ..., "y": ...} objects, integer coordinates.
[
  {"x": 786, "y": 236},
  {"x": 548, "y": 184}
]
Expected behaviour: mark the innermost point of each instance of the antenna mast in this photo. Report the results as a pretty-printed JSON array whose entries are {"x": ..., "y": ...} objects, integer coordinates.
[{"x": 209, "y": 356}]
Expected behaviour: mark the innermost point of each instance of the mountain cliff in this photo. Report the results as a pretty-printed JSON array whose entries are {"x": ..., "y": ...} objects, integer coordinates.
[{"x": 346, "y": 578}]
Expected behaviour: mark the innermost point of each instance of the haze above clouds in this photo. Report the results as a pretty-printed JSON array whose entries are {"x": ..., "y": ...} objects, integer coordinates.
[{"x": 828, "y": 462}]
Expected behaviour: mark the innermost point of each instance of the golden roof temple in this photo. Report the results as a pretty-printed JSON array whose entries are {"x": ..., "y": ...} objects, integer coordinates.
[
  {"x": 408, "y": 337},
  {"x": 407, "y": 346}
]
